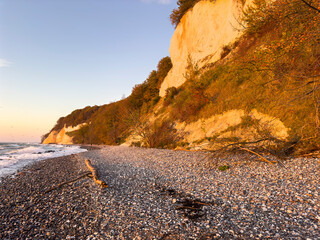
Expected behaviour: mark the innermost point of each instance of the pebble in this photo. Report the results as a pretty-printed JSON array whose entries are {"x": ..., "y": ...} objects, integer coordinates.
[{"x": 162, "y": 194}]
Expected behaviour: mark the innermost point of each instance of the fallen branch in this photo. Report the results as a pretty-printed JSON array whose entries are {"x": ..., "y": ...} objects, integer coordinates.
[
  {"x": 202, "y": 203},
  {"x": 39, "y": 197},
  {"x": 186, "y": 207},
  {"x": 246, "y": 143},
  {"x": 67, "y": 182},
  {"x": 250, "y": 151},
  {"x": 95, "y": 174}
]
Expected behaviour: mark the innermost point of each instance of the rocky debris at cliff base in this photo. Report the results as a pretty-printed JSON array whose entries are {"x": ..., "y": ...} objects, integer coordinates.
[{"x": 162, "y": 194}]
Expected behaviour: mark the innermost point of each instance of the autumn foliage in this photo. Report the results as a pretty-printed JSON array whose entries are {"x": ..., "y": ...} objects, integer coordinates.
[
  {"x": 275, "y": 69},
  {"x": 183, "y": 7},
  {"x": 112, "y": 123}
]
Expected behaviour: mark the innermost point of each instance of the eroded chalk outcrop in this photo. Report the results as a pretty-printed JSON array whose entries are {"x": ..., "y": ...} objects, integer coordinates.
[
  {"x": 61, "y": 136},
  {"x": 201, "y": 35}
]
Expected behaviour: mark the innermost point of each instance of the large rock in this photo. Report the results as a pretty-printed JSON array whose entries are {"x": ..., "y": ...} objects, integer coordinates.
[{"x": 201, "y": 34}]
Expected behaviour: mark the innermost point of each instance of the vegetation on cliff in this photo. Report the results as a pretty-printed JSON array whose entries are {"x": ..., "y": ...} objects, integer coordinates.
[
  {"x": 273, "y": 68},
  {"x": 183, "y": 7},
  {"x": 112, "y": 123}
]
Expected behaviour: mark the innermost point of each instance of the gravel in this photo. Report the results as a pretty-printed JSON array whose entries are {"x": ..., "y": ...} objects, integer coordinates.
[{"x": 162, "y": 194}]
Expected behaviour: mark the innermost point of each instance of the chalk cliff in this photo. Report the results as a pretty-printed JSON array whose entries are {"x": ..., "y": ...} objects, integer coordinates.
[
  {"x": 201, "y": 34},
  {"x": 228, "y": 124},
  {"x": 61, "y": 137}
]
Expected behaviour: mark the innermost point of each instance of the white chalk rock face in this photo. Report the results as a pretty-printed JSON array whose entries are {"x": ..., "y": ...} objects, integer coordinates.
[
  {"x": 201, "y": 34},
  {"x": 62, "y": 137}
]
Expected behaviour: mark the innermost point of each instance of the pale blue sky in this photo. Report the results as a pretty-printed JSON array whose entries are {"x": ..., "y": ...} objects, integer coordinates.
[{"x": 60, "y": 55}]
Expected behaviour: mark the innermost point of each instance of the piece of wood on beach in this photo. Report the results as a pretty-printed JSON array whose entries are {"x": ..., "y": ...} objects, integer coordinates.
[
  {"x": 67, "y": 182},
  {"x": 95, "y": 175},
  {"x": 262, "y": 158}
]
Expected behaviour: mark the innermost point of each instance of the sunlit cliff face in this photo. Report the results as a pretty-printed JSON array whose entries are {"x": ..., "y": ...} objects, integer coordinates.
[
  {"x": 201, "y": 35},
  {"x": 61, "y": 136}
]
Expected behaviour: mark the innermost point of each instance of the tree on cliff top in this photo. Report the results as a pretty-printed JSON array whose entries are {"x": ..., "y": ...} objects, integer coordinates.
[
  {"x": 163, "y": 68},
  {"x": 183, "y": 7}
]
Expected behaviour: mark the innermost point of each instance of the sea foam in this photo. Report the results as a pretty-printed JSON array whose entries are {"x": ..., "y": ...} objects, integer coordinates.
[{"x": 14, "y": 156}]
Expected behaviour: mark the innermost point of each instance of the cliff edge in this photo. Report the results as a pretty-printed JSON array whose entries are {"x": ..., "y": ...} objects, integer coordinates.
[
  {"x": 201, "y": 35},
  {"x": 61, "y": 136}
]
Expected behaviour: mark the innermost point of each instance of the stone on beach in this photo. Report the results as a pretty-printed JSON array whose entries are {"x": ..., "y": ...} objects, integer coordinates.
[{"x": 157, "y": 193}]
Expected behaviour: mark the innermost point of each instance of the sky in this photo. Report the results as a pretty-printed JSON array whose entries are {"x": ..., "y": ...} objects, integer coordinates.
[{"x": 60, "y": 55}]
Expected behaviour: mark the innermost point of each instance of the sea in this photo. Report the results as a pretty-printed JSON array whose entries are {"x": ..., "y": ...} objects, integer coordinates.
[{"x": 15, "y": 156}]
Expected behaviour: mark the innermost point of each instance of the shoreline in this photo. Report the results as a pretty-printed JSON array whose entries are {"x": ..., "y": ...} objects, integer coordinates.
[
  {"x": 16, "y": 156},
  {"x": 162, "y": 194}
]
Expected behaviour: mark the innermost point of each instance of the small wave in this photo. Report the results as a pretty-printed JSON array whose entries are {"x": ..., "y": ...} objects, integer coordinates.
[
  {"x": 18, "y": 158},
  {"x": 26, "y": 150}
]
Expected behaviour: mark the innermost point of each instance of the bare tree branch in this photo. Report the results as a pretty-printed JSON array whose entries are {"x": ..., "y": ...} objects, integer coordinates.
[{"x": 311, "y": 6}]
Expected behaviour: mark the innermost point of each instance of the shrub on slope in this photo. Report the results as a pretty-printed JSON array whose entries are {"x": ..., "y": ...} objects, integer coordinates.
[{"x": 275, "y": 69}]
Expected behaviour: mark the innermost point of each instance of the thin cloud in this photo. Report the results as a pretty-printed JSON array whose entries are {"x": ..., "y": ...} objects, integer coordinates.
[
  {"x": 4, "y": 63},
  {"x": 164, "y": 2}
]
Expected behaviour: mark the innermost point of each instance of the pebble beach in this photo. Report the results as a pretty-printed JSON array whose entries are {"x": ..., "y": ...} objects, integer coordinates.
[{"x": 162, "y": 194}]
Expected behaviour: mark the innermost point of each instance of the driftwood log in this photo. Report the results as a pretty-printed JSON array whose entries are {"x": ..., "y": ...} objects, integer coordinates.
[
  {"x": 67, "y": 182},
  {"x": 262, "y": 158},
  {"x": 95, "y": 175}
]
